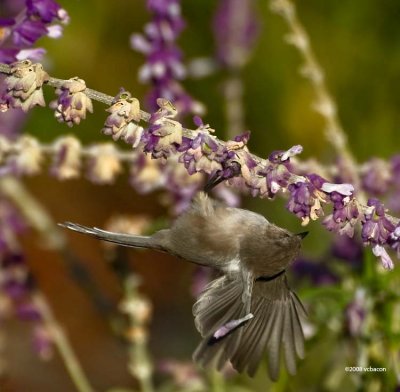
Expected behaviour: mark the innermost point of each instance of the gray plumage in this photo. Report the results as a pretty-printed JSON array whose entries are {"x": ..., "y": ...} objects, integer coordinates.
[{"x": 252, "y": 294}]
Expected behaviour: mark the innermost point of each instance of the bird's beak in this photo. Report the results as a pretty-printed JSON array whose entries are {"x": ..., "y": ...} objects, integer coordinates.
[{"x": 303, "y": 234}]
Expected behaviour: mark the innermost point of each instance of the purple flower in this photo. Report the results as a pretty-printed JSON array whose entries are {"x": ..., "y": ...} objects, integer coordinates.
[
  {"x": 377, "y": 227},
  {"x": 46, "y": 10},
  {"x": 345, "y": 215},
  {"x": 305, "y": 199},
  {"x": 32, "y": 22},
  {"x": 163, "y": 65},
  {"x": 28, "y": 32},
  {"x": 378, "y": 230},
  {"x": 356, "y": 312},
  {"x": 181, "y": 186},
  {"x": 28, "y": 311},
  {"x": 318, "y": 273},
  {"x": 236, "y": 29},
  {"x": 375, "y": 176},
  {"x": 42, "y": 341},
  {"x": 394, "y": 240},
  {"x": 164, "y": 135},
  {"x": 269, "y": 179},
  {"x": 203, "y": 153},
  {"x": 348, "y": 249},
  {"x": 380, "y": 251},
  {"x": 395, "y": 169}
]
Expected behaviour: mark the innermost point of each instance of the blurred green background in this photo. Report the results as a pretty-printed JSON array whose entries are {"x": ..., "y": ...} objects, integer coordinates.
[{"x": 357, "y": 44}]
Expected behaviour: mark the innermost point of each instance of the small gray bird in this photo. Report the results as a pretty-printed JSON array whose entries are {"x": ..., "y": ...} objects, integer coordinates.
[{"x": 250, "y": 309}]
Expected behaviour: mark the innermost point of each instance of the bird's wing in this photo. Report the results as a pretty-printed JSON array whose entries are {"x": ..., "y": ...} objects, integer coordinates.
[
  {"x": 275, "y": 324},
  {"x": 219, "y": 304}
]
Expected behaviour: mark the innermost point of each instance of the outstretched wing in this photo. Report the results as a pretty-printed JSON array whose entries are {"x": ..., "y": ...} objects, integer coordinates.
[{"x": 275, "y": 325}]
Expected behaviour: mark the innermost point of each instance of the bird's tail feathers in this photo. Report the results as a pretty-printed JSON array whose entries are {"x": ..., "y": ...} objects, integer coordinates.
[{"x": 129, "y": 240}]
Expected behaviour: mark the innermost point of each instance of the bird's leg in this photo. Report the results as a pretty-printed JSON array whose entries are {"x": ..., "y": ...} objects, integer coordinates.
[{"x": 229, "y": 171}]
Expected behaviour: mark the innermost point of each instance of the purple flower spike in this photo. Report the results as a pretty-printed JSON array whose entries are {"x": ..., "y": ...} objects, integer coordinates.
[
  {"x": 164, "y": 67},
  {"x": 236, "y": 29},
  {"x": 305, "y": 201},
  {"x": 37, "y": 19}
]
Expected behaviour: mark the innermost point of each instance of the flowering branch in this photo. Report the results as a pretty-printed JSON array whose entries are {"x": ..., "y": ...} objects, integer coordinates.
[{"x": 200, "y": 151}]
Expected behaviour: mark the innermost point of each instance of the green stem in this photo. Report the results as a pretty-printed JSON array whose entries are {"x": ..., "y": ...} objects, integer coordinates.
[{"x": 67, "y": 354}]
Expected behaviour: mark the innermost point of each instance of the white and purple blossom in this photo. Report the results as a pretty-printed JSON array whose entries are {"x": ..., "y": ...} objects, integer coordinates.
[
  {"x": 306, "y": 198},
  {"x": 345, "y": 214},
  {"x": 386, "y": 260},
  {"x": 164, "y": 134},
  {"x": 122, "y": 122},
  {"x": 24, "y": 85},
  {"x": 376, "y": 227},
  {"x": 72, "y": 103}
]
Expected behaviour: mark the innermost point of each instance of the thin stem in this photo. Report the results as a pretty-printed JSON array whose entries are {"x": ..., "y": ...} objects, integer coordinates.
[
  {"x": 234, "y": 113},
  {"x": 34, "y": 212},
  {"x": 312, "y": 71},
  {"x": 138, "y": 310},
  {"x": 217, "y": 382},
  {"x": 64, "y": 348}
]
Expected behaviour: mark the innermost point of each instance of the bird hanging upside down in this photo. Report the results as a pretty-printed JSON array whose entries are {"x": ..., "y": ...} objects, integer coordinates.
[{"x": 250, "y": 309}]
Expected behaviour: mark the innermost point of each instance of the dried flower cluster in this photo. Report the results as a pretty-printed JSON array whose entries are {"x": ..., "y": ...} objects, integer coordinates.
[
  {"x": 72, "y": 103},
  {"x": 24, "y": 86}
]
